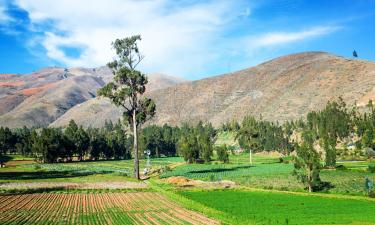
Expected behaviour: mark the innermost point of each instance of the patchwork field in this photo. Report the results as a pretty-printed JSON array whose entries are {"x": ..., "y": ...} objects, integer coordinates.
[
  {"x": 101, "y": 192},
  {"x": 99, "y": 208}
]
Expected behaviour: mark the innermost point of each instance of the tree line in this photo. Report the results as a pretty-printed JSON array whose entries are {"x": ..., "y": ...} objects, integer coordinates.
[{"x": 50, "y": 145}]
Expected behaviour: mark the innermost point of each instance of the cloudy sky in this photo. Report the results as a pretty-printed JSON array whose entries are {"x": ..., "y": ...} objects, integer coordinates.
[{"x": 191, "y": 39}]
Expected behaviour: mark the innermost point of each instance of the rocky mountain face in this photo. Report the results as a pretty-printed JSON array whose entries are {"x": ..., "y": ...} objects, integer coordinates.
[
  {"x": 40, "y": 98},
  {"x": 281, "y": 89}
]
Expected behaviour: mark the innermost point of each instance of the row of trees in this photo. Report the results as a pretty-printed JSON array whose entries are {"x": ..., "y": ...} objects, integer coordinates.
[
  {"x": 74, "y": 142},
  {"x": 54, "y": 144}
]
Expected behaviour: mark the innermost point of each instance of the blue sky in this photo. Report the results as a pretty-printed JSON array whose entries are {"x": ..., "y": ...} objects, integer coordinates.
[{"x": 192, "y": 39}]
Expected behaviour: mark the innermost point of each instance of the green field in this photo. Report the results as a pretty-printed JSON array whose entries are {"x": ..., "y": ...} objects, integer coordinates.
[
  {"x": 260, "y": 207},
  {"x": 283, "y": 199},
  {"x": 268, "y": 173},
  {"x": 92, "y": 171}
]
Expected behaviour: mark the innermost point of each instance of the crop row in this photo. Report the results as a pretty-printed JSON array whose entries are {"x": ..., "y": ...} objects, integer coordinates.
[
  {"x": 100, "y": 208},
  {"x": 223, "y": 171}
]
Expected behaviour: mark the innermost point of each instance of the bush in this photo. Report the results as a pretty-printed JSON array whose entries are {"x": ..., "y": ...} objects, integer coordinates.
[
  {"x": 371, "y": 194},
  {"x": 341, "y": 167},
  {"x": 222, "y": 153},
  {"x": 371, "y": 168}
]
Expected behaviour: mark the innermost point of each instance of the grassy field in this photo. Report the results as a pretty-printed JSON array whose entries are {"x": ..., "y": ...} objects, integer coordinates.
[
  {"x": 260, "y": 207},
  {"x": 115, "y": 170},
  {"x": 267, "y": 173}
]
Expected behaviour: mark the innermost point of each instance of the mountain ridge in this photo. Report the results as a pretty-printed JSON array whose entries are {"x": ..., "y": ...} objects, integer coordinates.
[
  {"x": 284, "y": 88},
  {"x": 280, "y": 89}
]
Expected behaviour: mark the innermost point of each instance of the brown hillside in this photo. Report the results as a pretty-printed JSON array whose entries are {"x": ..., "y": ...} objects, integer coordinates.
[
  {"x": 40, "y": 98},
  {"x": 281, "y": 89}
]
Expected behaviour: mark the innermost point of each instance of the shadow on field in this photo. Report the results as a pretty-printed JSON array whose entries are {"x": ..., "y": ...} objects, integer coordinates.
[
  {"x": 41, "y": 175},
  {"x": 32, "y": 190},
  {"x": 216, "y": 170}
]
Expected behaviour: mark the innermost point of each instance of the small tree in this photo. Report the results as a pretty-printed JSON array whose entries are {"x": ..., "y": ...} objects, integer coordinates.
[
  {"x": 248, "y": 135},
  {"x": 307, "y": 163},
  {"x": 128, "y": 87},
  {"x": 222, "y": 153},
  {"x": 355, "y": 55}
]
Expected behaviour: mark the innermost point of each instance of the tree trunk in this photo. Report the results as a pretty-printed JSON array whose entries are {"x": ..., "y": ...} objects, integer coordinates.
[
  {"x": 309, "y": 179},
  {"x": 251, "y": 157},
  {"x": 136, "y": 160}
]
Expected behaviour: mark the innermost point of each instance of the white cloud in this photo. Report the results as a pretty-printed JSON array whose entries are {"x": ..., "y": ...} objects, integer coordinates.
[
  {"x": 4, "y": 17},
  {"x": 187, "y": 39},
  {"x": 278, "y": 38},
  {"x": 177, "y": 40}
]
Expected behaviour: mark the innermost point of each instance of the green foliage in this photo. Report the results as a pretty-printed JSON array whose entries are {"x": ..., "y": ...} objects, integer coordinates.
[
  {"x": 160, "y": 140},
  {"x": 78, "y": 138},
  {"x": 128, "y": 87},
  {"x": 307, "y": 163},
  {"x": 49, "y": 145},
  {"x": 371, "y": 168},
  {"x": 330, "y": 124},
  {"x": 259, "y": 135},
  {"x": 196, "y": 142},
  {"x": 129, "y": 83},
  {"x": 222, "y": 153}
]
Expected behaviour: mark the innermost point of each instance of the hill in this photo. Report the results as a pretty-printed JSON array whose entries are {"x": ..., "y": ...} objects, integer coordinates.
[
  {"x": 39, "y": 98},
  {"x": 285, "y": 88}
]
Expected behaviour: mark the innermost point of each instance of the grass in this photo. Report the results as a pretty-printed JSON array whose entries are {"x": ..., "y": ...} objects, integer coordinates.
[
  {"x": 267, "y": 173},
  {"x": 257, "y": 207},
  {"x": 114, "y": 170}
]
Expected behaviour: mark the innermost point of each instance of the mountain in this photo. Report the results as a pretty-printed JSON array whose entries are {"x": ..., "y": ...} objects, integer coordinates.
[
  {"x": 39, "y": 98},
  {"x": 285, "y": 88}
]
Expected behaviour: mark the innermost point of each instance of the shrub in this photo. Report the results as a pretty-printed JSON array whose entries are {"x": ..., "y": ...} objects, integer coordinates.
[
  {"x": 371, "y": 168},
  {"x": 222, "y": 153}
]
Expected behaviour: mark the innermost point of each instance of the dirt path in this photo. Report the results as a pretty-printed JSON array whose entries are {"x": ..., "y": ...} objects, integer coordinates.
[{"x": 74, "y": 185}]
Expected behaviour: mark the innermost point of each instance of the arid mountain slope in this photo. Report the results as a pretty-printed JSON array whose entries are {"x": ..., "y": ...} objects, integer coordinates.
[
  {"x": 281, "y": 89},
  {"x": 40, "y": 98}
]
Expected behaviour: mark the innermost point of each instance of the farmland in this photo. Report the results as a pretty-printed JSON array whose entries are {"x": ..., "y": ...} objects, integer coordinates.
[
  {"x": 101, "y": 192},
  {"x": 262, "y": 207},
  {"x": 99, "y": 208},
  {"x": 268, "y": 173}
]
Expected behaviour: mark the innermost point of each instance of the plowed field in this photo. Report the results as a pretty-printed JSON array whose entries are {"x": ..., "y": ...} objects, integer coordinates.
[{"x": 95, "y": 208}]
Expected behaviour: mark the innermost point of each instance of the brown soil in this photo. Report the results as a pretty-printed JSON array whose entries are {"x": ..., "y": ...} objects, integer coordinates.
[
  {"x": 186, "y": 183},
  {"x": 104, "y": 208},
  {"x": 74, "y": 185}
]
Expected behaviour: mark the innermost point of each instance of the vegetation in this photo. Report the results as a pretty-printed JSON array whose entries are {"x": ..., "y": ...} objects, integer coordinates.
[
  {"x": 307, "y": 163},
  {"x": 196, "y": 143},
  {"x": 261, "y": 207},
  {"x": 128, "y": 87}
]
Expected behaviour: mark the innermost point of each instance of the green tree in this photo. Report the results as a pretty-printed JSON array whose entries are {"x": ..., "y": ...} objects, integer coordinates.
[
  {"x": 307, "y": 162},
  {"x": 248, "y": 135},
  {"x": 79, "y": 138},
  {"x": 222, "y": 153},
  {"x": 128, "y": 87}
]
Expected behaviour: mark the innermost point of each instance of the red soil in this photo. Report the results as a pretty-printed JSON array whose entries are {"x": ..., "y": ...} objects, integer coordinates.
[
  {"x": 36, "y": 90},
  {"x": 12, "y": 84}
]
